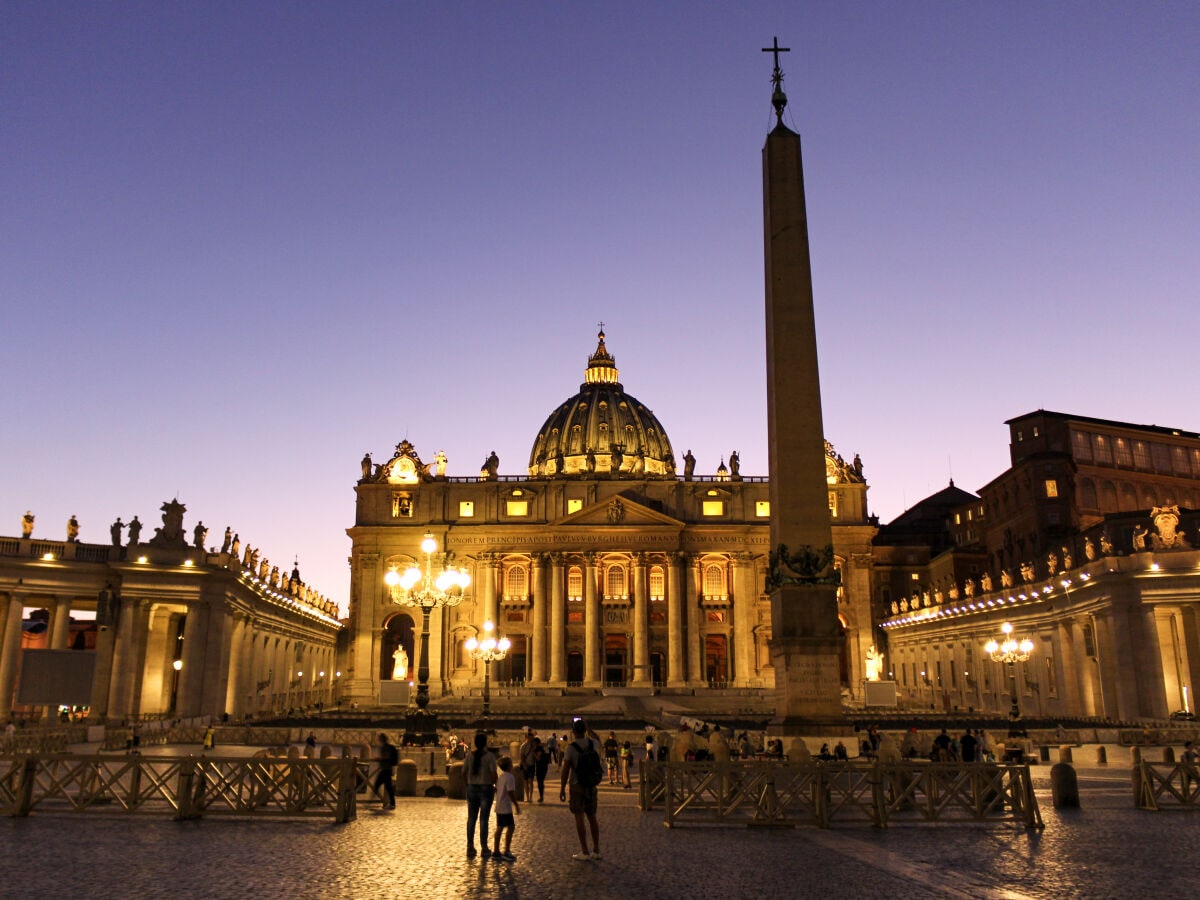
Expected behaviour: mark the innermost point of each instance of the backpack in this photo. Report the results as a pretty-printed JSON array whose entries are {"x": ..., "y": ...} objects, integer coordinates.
[{"x": 588, "y": 768}]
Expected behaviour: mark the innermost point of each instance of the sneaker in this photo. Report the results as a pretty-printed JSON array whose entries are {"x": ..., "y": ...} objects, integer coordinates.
[
  {"x": 470, "y": 853},
  {"x": 487, "y": 854},
  {"x": 508, "y": 857},
  {"x": 582, "y": 857},
  {"x": 596, "y": 854}
]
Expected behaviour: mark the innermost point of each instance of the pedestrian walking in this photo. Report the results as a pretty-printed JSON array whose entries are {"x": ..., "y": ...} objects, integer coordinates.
[
  {"x": 582, "y": 771},
  {"x": 506, "y": 806},
  {"x": 388, "y": 759},
  {"x": 481, "y": 771}
]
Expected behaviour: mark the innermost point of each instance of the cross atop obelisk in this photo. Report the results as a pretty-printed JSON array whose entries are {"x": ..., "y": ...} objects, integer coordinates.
[
  {"x": 805, "y": 641},
  {"x": 778, "y": 97}
]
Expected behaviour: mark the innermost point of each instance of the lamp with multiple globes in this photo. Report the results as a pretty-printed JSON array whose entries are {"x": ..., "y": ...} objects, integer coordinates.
[
  {"x": 425, "y": 590},
  {"x": 1010, "y": 651},
  {"x": 489, "y": 649}
]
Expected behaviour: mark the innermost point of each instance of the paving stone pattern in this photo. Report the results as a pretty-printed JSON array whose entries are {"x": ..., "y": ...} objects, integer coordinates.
[{"x": 1106, "y": 849}]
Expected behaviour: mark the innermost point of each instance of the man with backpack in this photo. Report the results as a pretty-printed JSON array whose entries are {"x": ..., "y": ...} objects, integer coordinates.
[{"x": 583, "y": 771}]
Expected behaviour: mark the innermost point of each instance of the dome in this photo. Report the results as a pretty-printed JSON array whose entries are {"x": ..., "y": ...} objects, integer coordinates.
[{"x": 602, "y": 430}]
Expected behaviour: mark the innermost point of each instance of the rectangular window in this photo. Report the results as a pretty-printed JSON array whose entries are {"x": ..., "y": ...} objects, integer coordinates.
[
  {"x": 1141, "y": 455},
  {"x": 939, "y": 673},
  {"x": 1051, "y": 487},
  {"x": 833, "y": 504},
  {"x": 1179, "y": 461},
  {"x": 1051, "y": 677},
  {"x": 466, "y": 509},
  {"x": 1082, "y": 445},
  {"x": 1161, "y": 454},
  {"x": 958, "y": 518},
  {"x": 574, "y": 506},
  {"x": 762, "y": 508},
  {"x": 1102, "y": 449},
  {"x": 915, "y": 576},
  {"x": 953, "y": 675},
  {"x": 713, "y": 507},
  {"x": 1122, "y": 452},
  {"x": 1020, "y": 436},
  {"x": 517, "y": 507},
  {"x": 1196, "y": 462}
]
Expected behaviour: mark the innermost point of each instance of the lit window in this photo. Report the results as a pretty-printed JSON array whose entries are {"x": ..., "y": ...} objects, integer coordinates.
[
  {"x": 466, "y": 509},
  {"x": 1035, "y": 431},
  {"x": 1051, "y": 487},
  {"x": 574, "y": 506},
  {"x": 517, "y": 507},
  {"x": 714, "y": 581},
  {"x": 1020, "y": 436},
  {"x": 833, "y": 504},
  {"x": 914, "y": 576},
  {"x": 615, "y": 581},
  {"x": 575, "y": 584},
  {"x": 657, "y": 583},
  {"x": 516, "y": 584},
  {"x": 762, "y": 509},
  {"x": 958, "y": 518},
  {"x": 713, "y": 507}
]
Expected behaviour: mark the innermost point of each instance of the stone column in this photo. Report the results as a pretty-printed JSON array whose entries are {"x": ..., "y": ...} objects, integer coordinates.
[
  {"x": 1152, "y": 695},
  {"x": 1190, "y": 619},
  {"x": 60, "y": 625},
  {"x": 641, "y": 623},
  {"x": 676, "y": 676},
  {"x": 694, "y": 629},
  {"x": 367, "y": 593},
  {"x": 558, "y": 623},
  {"x": 490, "y": 606},
  {"x": 537, "y": 639},
  {"x": 190, "y": 692},
  {"x": 592, "y": 634},
  {"x": 130, "y": 664},
  {"x": 11, "y": 612},
  {"x": 745, "y": 598}
]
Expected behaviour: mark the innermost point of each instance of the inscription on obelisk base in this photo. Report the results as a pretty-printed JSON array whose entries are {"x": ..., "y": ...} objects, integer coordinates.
[{"x": 805, "y": 641}]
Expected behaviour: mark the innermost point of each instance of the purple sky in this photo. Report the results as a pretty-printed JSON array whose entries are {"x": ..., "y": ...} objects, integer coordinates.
[{"x": 242, "y": 243}]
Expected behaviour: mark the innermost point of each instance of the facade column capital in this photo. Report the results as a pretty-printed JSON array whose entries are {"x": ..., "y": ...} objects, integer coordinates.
[{"x": 556, "y": 559}]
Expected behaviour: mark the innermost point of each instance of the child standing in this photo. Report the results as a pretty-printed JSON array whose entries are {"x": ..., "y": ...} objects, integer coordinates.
[{"x": 506, "y": 805}]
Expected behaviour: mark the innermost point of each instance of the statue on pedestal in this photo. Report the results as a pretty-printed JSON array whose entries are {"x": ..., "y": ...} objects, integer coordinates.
[
  {"x": 366, "y": 466},
  {"x": 874, "y": 666},
  {"x": 490, "y": 467},
  {"x": 27, "y": 524},
  {"x": 1089, "y": 549},
  {"x": 72, "y": 529},
  {"x": 400, "y": 665},
  {"x": 985, "y": 582},
  {"x": 689, "y": 466},
  {"x": 1106, "y": 547},
  {"x": 199, "y": 535},
  {"x": 135, "y": 531},
  {"x": 226, "y": 541},
  {"x": 439, "y": 464},
  {"x": 735, "y": 466},
  {"x": 115, "y": 531}
]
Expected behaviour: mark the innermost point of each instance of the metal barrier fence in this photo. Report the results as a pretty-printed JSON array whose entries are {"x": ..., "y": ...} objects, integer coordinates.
[
  {"x": 183, "y": 787},
  {"x": 825, "y": 794},
  {"x": 1156, "y": 785}
]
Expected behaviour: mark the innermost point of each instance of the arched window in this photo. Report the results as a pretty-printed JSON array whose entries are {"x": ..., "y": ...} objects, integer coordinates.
[
  {"x": 657, "y": 584},
  {"x": 614, "y": 580},
  {"x": 516, "y": 584},
  {"x": 714, "y": 581},
  {"x": 1087, "y": 494},
  {"x": 575, "y": 584}
]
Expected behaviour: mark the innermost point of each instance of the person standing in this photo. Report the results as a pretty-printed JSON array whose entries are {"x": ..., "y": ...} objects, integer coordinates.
[
  {"x": 541, "y": 765},
  {"x": 506, "y": 805},
  {"x": 583, "y": 772},
  {"x": 525, "y": 754},
  {"x": 612, "y": 753},
  {"x": 969, "y": 746},
  {"x": 388, "y": 759},
  {"x": 480, "y": 771}
]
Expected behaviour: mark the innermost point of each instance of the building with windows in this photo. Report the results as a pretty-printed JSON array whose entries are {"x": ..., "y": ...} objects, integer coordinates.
[
  {"x": 1085, "y": 545},
  {"x": 601, "y": 563}
]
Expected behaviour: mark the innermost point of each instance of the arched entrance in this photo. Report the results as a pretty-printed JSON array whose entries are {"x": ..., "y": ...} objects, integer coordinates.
[
  {"x": 616, "y": 657},
  {"x": 397, "y": 632},
  {"x": 716, "y": 660}
]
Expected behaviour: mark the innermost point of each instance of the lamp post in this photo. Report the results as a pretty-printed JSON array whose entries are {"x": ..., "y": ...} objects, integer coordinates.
[
  {"x": 488, "y": 649},
  {"x": 1010, "y": 651},
  {"x": 426, "y": 591}
]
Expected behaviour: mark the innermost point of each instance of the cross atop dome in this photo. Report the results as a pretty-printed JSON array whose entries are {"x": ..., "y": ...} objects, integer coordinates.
[{"x": 778, "y": 97}]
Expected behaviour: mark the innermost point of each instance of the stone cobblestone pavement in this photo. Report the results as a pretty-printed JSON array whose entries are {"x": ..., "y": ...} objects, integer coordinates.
[{"x": 1106, "y": 849}]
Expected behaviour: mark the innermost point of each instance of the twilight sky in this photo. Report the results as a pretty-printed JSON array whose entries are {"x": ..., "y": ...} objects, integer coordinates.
[{"x": 241, "y": 243}]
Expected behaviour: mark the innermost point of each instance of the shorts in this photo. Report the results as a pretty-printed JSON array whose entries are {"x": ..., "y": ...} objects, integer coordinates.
[
  {"x": 505, "y": 820},
  {"x": 581, "y": 800}
]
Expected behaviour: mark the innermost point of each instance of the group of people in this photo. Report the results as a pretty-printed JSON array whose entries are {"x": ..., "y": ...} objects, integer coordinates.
[{"x": 490, "y": 782}]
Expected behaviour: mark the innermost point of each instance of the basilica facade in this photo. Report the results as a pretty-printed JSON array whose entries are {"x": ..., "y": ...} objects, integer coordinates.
[{"x": 603, "y": 564}]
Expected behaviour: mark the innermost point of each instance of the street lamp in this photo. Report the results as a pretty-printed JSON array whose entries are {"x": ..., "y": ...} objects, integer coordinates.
[
  {"x": 428, "y": 592},
  {"x": 488, "y": 649},
  {"x": 1010, "y": 651}
]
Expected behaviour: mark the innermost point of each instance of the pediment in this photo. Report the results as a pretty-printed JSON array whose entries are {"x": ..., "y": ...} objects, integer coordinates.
[{"x": 619, "y": 511}]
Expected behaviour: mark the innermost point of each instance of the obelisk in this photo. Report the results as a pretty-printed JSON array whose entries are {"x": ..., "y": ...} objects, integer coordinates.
[{"x": 802, "y": 581}]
